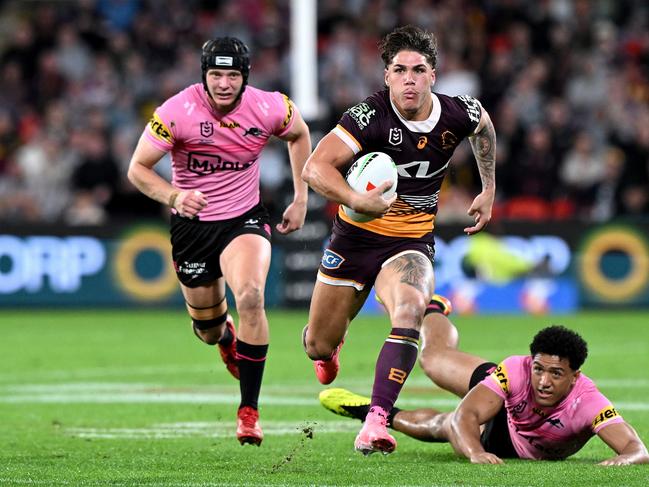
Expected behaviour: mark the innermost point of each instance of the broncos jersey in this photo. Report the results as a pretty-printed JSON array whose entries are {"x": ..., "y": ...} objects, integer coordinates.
[{"x": 421, "y": 151}]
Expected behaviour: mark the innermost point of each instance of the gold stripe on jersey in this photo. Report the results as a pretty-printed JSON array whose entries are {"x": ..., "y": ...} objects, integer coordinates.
[
  {"x": 396, "y": 224},
  {"x": 289, "y": 111},
  {"x": 159, "y": 130},
  {"x": 500, "y": 376},
  {"x": 605, "y": 415}
]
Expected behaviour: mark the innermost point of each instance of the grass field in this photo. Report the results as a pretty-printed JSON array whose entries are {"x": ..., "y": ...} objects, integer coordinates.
[{"x": 123, "y": 398}]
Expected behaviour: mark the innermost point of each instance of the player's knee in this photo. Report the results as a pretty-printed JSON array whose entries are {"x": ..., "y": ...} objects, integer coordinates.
[
  {"x": 250, "y": 298},
  {"x": 209, "y": 331},
  {"x": 317, "y": 349},
  {"x": 428, "y": 364},
  {"x": 409, "y": 314}
]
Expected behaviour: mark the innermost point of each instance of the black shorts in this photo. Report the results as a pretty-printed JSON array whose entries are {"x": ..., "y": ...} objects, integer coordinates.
[
  {"x": 495, "y": 436},
  {"x": 354, "y": 256},
  {"x": 196, "y": 246}
]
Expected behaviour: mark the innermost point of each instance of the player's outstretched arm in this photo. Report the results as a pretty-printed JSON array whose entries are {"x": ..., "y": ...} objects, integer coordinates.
[
  {"x": 624, "y": 440},
  {"x": 483, "y": 144},
  {"x": 144, "y": 178},
  {"x": 479, "y": 406},
  {"x": 323, "y": 173},
  {"x": 298, "y": 140}
]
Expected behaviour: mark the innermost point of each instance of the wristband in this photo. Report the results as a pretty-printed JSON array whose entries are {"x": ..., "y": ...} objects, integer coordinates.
[{"x": 172, "y": 198}]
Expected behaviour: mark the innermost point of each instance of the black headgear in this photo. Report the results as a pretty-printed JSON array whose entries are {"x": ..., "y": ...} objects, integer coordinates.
[{"x": 225, "y": 53}]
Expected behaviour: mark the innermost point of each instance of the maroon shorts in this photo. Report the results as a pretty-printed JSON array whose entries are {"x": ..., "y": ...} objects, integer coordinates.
[{"x": 355, "y": 256}]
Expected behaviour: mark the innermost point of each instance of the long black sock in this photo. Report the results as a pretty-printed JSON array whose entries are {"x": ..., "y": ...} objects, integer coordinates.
[{"x": 252, "y": 359}]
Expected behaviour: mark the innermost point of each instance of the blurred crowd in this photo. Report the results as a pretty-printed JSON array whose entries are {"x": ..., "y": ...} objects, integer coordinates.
[{"x": 565, "y": 81}]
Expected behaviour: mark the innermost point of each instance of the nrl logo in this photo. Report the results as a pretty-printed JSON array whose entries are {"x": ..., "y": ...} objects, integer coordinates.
[
  {"x": 396, "y": 136},
  {"x": 207, "y": 129}
]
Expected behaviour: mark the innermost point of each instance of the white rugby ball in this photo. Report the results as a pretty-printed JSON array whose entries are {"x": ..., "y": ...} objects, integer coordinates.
[{"x": 367, "y": 173}]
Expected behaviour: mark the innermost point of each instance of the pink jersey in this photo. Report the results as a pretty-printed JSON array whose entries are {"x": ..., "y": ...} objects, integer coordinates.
[
  {"x": 219, "y": 154},
  {"x": 551, "y": 433}
]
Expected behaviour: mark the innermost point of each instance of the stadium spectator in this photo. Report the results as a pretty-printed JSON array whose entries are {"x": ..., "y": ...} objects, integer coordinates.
[
  {"x": 220, "y": 230},
  {"x": 392, "y": 252},
  {"x": 540, "y": 406},
  {"x": 537, "y": 53},
  {"x": 581, "y": 171}
]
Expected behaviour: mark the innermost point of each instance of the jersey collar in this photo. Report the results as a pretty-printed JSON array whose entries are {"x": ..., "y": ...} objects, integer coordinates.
[{"x": 421, "y": 126}]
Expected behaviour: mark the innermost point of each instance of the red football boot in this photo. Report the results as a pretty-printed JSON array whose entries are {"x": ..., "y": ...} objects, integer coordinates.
[
  {"x": 327, "y": 370},
  {"x": 248, "y": 429}
]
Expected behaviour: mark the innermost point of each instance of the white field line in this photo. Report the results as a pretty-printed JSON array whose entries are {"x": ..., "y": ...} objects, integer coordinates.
[
  {"x": 216, "y": 429},
  {"x": 160, "y": 396},
  {"x": 100, "y": 373},
  {"x": 138, "y": 393},
  {"x": 103, "y": 372}
]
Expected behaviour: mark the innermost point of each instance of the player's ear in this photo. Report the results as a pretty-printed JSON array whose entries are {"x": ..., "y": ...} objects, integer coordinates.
[
  {"x": 576, "y": 376},
  {"x": 433, "y": 77},
  {"x": 385, "y": 77}
]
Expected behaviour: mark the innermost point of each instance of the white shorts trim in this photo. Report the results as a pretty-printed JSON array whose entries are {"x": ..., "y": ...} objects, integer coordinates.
[
  {"x": 340, "y": 282},
  {"x": 396, "y": 256}
]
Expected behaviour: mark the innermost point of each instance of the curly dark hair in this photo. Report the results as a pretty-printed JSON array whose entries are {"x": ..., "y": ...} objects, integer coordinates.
[
  {"x": 409, "y": 38},
  {"x": 559, "y": 340}
]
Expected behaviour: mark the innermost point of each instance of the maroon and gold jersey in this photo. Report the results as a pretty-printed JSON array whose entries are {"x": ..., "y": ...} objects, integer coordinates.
[{"x": 421, "y": 150}]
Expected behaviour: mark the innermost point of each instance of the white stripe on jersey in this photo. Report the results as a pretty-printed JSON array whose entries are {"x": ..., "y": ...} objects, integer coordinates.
[{"x": 347, "y": 139}]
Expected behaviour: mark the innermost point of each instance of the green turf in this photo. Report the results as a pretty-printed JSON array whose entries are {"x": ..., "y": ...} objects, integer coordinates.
[{"x": 132, "y": 398}]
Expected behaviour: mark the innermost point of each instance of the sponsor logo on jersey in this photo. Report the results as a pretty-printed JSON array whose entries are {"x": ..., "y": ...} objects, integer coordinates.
[
  {"x": 540, "y": 412},
  {"x": 421, "y": 143},
  {"x": 361, "y": 114},
  {"x": 289, "y": 111},
  {"x": 205, "y": 164},
  {"x": 556, "y": 422},
  {"x": 191, "y": 268},
  {"x": 472, "y": 107},
  {"x": 449, "y": 140},
  {"x": 229, "y": 125},
  {"x": 251, "y": 223},
  {"x": 331, "y": 260},
  {"x": 395, "y": 137},
  {"x": 254, "y": 131},
  {"x": 223, "y": 61},
  {"x": 501, "y": 378},
  {"x": 159, "y": 130},
  {"x": 605, "y": 415},
  {"x": 419, "y": 169},
  {"x": 207, "y": 129}
]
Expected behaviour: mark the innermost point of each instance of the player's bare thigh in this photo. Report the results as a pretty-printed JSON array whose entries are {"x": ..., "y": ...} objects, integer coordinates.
[
  {"x": 332, "y": 309},
  {"x": 245, "y": 260},
  {"x": 405, "y": 284},
  {"x": 211, "y": 296}
]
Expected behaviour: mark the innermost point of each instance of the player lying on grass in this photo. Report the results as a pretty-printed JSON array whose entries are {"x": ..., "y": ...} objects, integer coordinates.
[{"x": 538, "y": 406}]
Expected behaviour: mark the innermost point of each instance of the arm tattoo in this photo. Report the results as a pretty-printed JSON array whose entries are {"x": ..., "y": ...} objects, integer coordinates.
[
  {"x": 414, "y": 270},
  {"x": 483, "y": 145}
]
